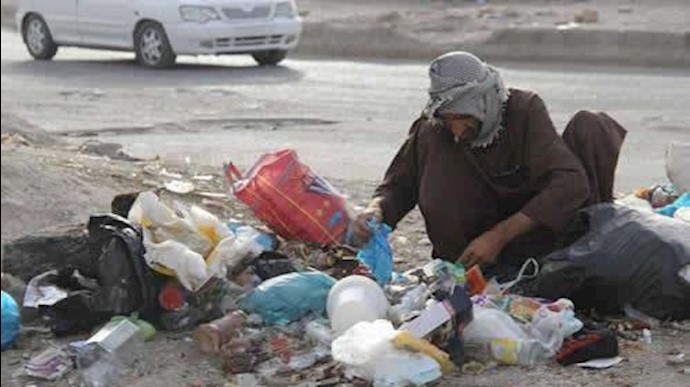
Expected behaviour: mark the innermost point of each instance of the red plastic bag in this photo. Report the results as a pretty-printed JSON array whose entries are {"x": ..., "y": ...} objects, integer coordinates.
[{"x": 291, "y": 199}]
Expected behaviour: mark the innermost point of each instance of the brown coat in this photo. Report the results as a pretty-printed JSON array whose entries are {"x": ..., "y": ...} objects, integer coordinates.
[{"x": 463, "y": 192}]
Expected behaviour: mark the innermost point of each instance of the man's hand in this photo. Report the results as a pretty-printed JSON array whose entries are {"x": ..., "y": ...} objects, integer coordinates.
[
  {"x": 483, "y": 250},
  {"x": 361, "y": 231},
  {"x": 486, "y": 247}
]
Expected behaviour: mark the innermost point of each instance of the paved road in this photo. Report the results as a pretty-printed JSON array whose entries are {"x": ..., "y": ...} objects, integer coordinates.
[{"x": 345, "y": 118}]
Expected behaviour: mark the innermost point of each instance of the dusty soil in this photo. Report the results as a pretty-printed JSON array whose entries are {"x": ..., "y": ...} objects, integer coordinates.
[{"x": 46, "y": 183}]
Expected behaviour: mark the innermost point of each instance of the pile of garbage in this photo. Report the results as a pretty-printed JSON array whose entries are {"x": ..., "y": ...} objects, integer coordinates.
[{"x": 293, "y": 302}]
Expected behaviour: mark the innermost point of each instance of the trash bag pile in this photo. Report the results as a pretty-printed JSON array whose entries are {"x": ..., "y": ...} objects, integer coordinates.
[
  {"x": 633, "y": 255},
  {"x": 292, "y": 303}
]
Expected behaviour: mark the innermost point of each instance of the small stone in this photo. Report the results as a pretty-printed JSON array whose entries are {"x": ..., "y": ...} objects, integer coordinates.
[{"x": 587, "y": 15}]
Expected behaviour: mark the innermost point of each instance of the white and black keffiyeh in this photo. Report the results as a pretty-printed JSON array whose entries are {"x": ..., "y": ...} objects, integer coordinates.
[{"x": 462, "y": 84}]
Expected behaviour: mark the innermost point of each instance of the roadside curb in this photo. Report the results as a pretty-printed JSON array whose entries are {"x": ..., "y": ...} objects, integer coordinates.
[{"x": 638, "y": 48}]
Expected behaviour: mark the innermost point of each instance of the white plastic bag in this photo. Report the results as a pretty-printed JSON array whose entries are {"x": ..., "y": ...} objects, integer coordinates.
[
  {"x": 678, "y": 165},
  {"x": 632, "y": 201},
  {"x": 165, "y": 224},
  {"x": 495, "y": 334},
  {"x": 181, "y": 240},
  {"x": 233, "y": 250},
  {"x": 209, "y": 225},
  {"x": 490, "y": 323},
  {"x": 368, "y": 351},
  {"x": 550, "y": 328},
  {"x": 189, "y": 266}
]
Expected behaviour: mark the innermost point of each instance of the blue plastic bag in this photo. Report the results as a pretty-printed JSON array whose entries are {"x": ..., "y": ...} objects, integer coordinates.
[
  {"x": 670, "y": 210},
  {"x": 10, "y": 320},
  {"x": 289, "y": 297},
  {"x": 377, "y": 253}
]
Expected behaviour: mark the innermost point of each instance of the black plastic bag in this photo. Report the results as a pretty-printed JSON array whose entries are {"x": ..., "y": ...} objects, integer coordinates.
[
  {"x": 627, "y": 257},
  {"x": 125, "y": 284}
]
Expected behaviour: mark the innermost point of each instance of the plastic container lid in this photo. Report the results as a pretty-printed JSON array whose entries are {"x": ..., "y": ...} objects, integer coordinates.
[{"x": 355, "y": 299}]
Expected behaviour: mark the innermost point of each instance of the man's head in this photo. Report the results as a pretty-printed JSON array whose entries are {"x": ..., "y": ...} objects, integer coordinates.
[
  {"x": 468, "y": 96},
  {"x": 464, "y": 127}
]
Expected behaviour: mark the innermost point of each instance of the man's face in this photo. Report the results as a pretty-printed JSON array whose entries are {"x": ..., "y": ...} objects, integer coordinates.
[{"x": 463, "y": 126}]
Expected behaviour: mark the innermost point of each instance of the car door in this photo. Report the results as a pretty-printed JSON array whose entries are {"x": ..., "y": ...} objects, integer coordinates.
[
  {"x": 106, "y": 23},
  {"x": 61, "y": 17}
]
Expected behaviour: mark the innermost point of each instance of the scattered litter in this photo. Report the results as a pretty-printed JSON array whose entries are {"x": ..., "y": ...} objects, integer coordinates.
[
  {"x": 473, "y": 368},
  {"x": 355, "y": 299},
  {"x": 38, "y": 294},
  {"x": 211, "y": 336},
  {"x": 286, "y": 298},
  {"x": 246, "y": 380},
  {"x": 567, "y": 26},
  {"x": 647, "y": 336},
  {"x": 677, "y": 359},
  {"x": 267, "y": 299},
  {"x": 291, "y": 199},
  {"x": 14, "y": 139},
  {"x": 588, "y": 344},
  {"x": 179, "y": 186},
  {"x": 51, "y": 364},
  {"x": 368, "y": 352},
  {"x": 106, "y": 354},
  {"x": 171, "y": 175},
  {"x": 677, "y": 161},
  {"x": 212, "y": 195},
  {"x": 377, "y": 254},
  {"x": 601, "y": 364},
  {"x": 10, "y": 320}
]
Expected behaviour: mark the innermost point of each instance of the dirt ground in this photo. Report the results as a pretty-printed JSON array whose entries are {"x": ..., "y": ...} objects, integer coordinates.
[{"x": 46, "y": 183}]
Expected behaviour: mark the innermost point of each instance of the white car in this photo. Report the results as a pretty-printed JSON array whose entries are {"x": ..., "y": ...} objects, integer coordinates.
[{"x": 159, "y": 30}]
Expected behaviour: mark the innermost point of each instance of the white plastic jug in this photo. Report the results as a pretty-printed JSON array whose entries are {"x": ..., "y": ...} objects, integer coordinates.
[{"x": 354, "y": 299}]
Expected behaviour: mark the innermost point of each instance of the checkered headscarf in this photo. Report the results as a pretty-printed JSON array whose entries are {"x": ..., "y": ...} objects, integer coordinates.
[{"x": 461, "y": 83}]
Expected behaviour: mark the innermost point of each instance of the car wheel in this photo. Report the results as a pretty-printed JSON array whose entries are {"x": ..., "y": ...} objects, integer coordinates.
[
  {"x": 269, "y": 58},
  {"x": 152, "y": 47},
  {"x": 38, "y": 39}
]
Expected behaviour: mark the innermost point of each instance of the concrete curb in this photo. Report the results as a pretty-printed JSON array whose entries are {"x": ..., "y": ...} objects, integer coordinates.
[
  {"x": 622, "y": 47},
  {"x": 639, "y": 48}
]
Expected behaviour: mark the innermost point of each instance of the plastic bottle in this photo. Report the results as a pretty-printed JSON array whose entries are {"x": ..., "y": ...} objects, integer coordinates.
[
  {"x": 516, "y": 352},
  {"x": 109, "y": 353},
  {"x": 211, "y": 336},
  {"x": 412, "y": 302}
]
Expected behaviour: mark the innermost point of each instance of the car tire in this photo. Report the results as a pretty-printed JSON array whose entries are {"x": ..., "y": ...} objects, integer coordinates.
[
  {"x": 38, "y": 39},
  {"x": 152, "y": 46},
  {"x": 269, "y": 58}
]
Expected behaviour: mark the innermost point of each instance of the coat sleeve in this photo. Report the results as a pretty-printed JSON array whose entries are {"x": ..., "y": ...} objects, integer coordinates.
[
  {"x": 399, "y": 189},
  {"x": 555, "y": 173}
]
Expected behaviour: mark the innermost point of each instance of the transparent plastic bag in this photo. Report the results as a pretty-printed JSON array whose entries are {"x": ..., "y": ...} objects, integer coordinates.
[
  {"x": 189, "y": 266},
  {"x": 164, "y": 224},
  {"x": 368, "y": 351}
]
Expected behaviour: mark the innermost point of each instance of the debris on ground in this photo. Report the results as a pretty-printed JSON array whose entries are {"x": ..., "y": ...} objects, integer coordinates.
[{"x": 272, "y": 305}]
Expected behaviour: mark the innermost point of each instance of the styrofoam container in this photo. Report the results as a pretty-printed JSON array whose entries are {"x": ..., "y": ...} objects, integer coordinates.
[{"x": 354, "y": 299}]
